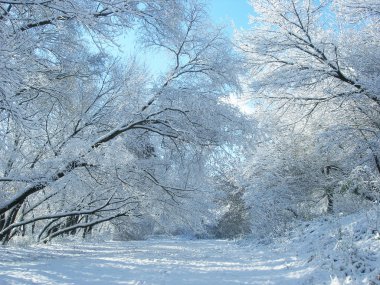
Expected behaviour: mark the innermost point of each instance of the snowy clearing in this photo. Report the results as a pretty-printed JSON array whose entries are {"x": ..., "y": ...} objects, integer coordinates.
[
  {"x": 338, "y": 250},
  {"x": 149, "y": 262}
]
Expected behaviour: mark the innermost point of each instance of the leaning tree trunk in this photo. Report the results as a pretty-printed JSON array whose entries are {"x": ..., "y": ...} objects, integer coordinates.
[{"x": 7, "y": 219}]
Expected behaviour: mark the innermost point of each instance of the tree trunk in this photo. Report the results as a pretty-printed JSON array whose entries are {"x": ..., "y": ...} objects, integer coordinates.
[{"x": 7, "y": 219}]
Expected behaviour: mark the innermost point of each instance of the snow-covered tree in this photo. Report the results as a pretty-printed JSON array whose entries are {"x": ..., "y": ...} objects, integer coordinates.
[
  {"x": 86, "y": 139},
  {"x": 314, "y": 67}
]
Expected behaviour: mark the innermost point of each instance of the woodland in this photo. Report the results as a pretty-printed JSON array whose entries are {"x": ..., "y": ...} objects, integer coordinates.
[{"x": 237, "y": 136}]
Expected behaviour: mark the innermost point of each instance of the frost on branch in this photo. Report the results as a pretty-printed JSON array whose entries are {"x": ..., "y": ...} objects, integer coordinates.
[{"x": 86, "y": 139}]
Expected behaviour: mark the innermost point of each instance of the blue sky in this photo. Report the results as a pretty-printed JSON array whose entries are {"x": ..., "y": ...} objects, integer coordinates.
[{"x": 223, "y": 12}]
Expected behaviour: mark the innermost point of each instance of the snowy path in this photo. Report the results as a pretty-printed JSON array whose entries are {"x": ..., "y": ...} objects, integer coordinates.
[{"x": 150, "y": 262}]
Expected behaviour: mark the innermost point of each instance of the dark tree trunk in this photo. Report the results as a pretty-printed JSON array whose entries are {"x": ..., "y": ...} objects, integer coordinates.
[{"x": 7, "y": 219}]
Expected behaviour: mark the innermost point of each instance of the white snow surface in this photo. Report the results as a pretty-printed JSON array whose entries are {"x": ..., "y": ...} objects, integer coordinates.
[{"x": 343, "y": 250}]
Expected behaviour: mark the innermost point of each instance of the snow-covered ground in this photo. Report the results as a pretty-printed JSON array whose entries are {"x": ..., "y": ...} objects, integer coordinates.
[
  {"x": 148, "y": 262},
  {"x": 327, "y": 251}
]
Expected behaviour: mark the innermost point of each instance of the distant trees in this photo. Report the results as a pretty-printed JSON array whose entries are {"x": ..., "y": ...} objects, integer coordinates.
[
  {"x": 235, "y": 218},
  {"x": 85, "y": 139},
  {"x": 314, "y": 70}
]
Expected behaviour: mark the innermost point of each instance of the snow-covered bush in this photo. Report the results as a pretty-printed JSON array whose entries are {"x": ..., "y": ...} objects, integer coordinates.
[
  {"x": 354, "y": 258},
  {"x": 363, "y": 182}
]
